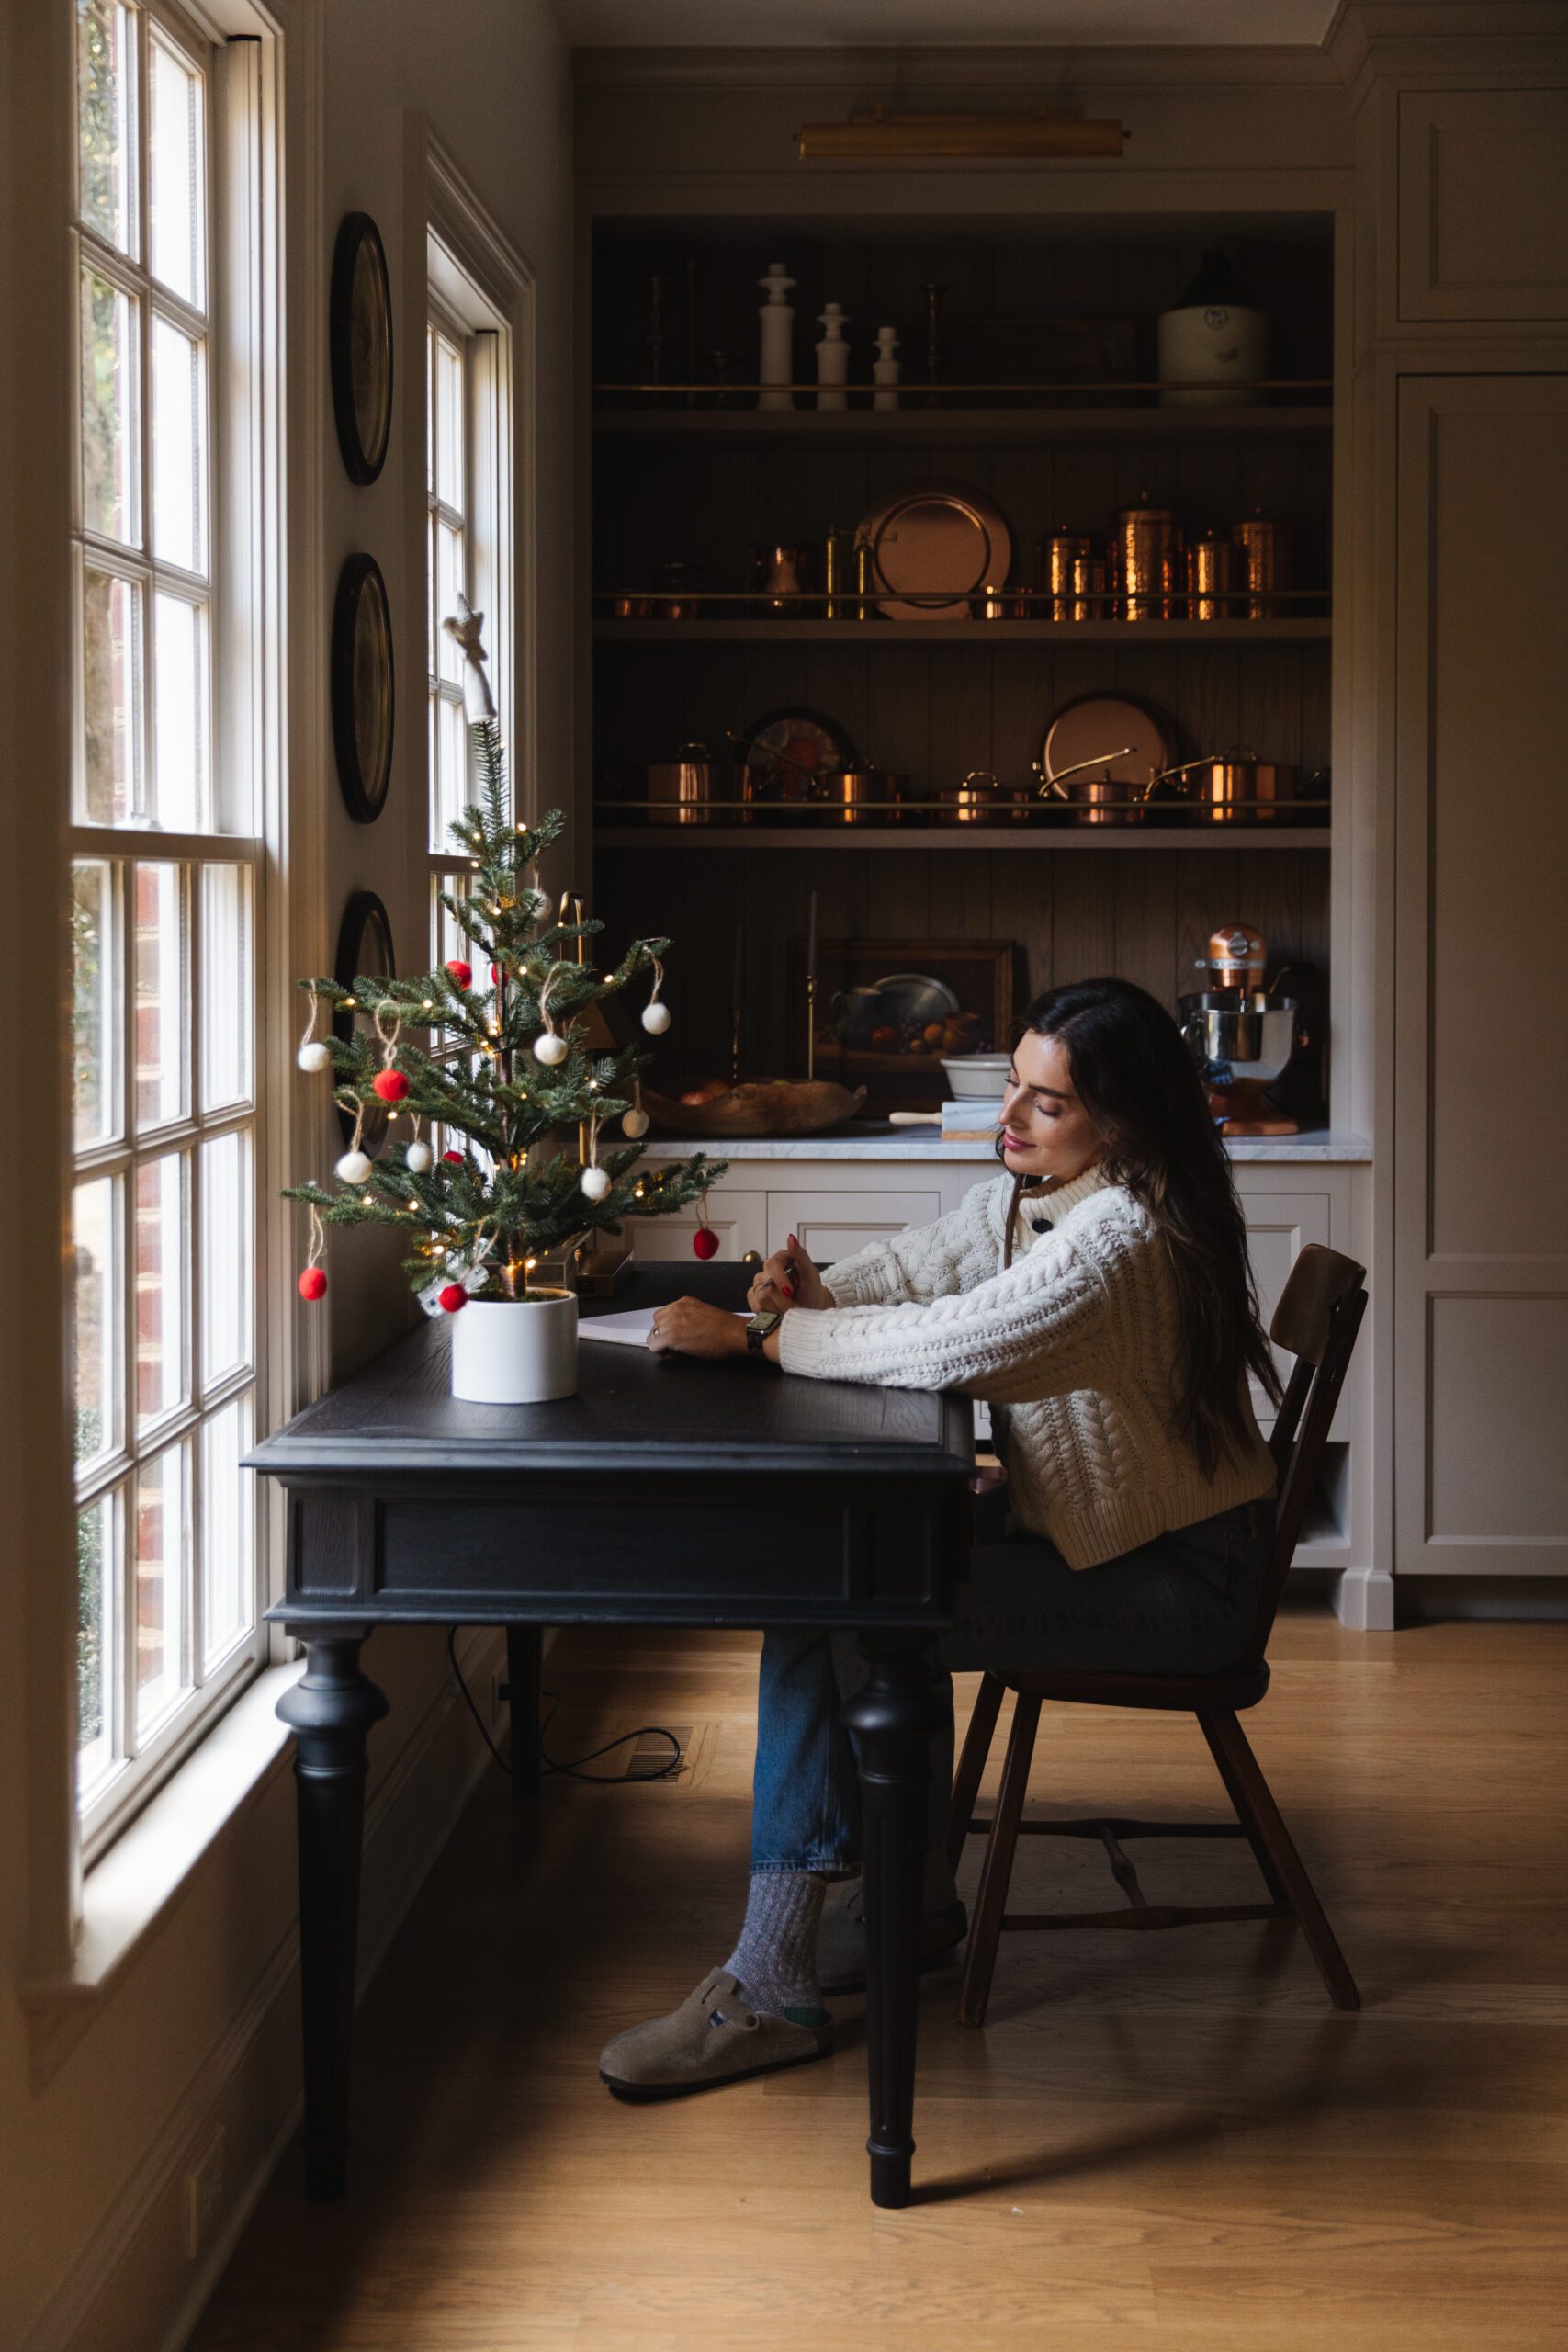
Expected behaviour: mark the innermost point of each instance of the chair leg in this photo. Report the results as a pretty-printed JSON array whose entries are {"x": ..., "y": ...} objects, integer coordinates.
[
  {"x": 986, "y": 1927},
  {"x": 1261, "y": 1819},
  {"x": 1237, "y": 1795},
  {"x": 972, "y": 1763}
]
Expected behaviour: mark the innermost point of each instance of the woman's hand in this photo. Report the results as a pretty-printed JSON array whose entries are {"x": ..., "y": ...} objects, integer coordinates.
[
  {"x": 691, "y": 1328},
  {"x": 788, "y": 1279}
]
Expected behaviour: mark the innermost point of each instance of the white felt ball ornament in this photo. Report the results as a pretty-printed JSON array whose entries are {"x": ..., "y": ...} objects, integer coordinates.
[
  {"x": 549, "y": 1048},
  {"x": 312, "y": 1056},
  {"x": 656, "y": 1018},
  {"x": 421, "y": 1158},
  {"x": 353, "y": 1168},
  {"x": 634, "y": 1124},
  {"x": 595, "y": 1184}
]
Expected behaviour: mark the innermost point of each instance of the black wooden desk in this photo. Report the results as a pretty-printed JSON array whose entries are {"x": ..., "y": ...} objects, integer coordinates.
[{"x": 667, "y": 1492}]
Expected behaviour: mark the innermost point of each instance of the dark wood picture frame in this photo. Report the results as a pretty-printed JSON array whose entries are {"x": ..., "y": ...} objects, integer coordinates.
[
  {"x": 364, "y": 946},
  {"x": 360, "y": 342},
  {"x": 363, "y": 687},
  {"x": 978, "y": 972}
]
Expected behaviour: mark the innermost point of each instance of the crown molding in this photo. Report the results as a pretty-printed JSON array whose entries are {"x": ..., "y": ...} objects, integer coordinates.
[
  {"x": 1369, "y": 38},
  {"x": 955, "y": 71}
]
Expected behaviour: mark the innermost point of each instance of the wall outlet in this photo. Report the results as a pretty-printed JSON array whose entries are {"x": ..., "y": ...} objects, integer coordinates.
[{"x": 204, "y": 2196}]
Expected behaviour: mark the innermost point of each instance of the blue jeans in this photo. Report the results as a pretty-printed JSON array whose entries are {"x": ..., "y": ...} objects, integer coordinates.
[{"x": 1184, "y": 1604}]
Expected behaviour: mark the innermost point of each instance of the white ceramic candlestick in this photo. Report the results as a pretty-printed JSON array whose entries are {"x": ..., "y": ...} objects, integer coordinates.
[
  {"x": 832, "y": 358},
  {"x": 777, "y": 316},
  {"x": 884, "y": 368}
]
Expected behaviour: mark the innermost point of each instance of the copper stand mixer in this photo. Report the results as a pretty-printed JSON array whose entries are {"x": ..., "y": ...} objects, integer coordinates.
[{"x": 1241, "y": 1032}]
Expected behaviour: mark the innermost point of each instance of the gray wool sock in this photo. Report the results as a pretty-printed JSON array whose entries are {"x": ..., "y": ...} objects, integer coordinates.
[{"x": 775, "y": 1959}]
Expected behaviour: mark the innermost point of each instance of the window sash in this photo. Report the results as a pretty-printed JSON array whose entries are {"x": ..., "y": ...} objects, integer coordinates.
[{"x": 221, "y": 1560}]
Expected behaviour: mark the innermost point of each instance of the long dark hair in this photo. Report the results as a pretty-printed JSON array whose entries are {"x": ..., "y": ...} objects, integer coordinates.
[{"x": 1140, "y": 1087}]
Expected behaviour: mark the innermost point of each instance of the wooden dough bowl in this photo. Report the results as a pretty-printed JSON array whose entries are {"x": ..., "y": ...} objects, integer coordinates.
[{"x": 791, "y": 1109}]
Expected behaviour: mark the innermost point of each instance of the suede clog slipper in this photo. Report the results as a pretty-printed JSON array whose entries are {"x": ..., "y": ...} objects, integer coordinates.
[{"x": 714, "y": 2037}]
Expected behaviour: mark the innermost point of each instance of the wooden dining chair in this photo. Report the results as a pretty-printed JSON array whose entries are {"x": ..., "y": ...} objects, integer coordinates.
[{"x": 1317, "y": 1321}]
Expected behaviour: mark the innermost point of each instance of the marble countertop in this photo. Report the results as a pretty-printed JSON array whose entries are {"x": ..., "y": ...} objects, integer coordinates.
[{"x": 870, "y": 1141}]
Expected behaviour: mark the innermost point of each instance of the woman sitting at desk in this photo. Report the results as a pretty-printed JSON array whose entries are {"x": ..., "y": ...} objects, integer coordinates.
[{"x": 1097, "y": 1295}]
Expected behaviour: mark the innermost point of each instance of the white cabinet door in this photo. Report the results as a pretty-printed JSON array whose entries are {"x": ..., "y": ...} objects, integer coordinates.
[
  {"x": 1279, "y": 1225},
  {"x": 739, "y": 1219},
  {"x": 835, "y": 1225}
]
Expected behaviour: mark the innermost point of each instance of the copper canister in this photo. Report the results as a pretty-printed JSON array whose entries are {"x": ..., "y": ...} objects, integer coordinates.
[
  {"x": 1209, "y": 578},
  {"x": 1262, "y": 565},
  {"x": 1064, "y": 560},
  {"x": 1146, "y": 548},
  {"x": 682, "y": 788}
]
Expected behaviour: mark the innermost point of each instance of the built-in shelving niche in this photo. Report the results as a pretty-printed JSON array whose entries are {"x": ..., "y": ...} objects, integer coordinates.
[{"x": 700, "y": 485}]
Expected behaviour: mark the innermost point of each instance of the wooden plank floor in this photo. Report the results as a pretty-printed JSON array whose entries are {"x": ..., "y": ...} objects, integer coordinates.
[{"x": 1170, "y": 2140}]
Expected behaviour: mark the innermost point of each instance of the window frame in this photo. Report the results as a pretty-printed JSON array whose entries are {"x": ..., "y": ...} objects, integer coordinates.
[
  {"x": 246, "y": 764},
  {"x": 459, "y": 306}
]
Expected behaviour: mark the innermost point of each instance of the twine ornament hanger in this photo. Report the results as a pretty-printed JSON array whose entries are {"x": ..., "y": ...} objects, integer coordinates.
[
  {"x": 549, "y": 1047},
  {"x": 311, "y": 1054},
  {"x": 312, "y": 1282},
  {"x": 655, "y": 1015}
]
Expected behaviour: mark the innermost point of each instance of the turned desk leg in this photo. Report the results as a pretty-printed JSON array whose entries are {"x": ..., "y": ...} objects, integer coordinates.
[
  {"x": 524, "y": 1648},
  {"x": 330, "y": 1711},
  {"x": 893, "y": 1719}
]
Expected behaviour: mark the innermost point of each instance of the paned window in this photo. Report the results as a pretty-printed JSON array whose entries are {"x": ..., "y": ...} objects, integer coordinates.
[
  {"x": 467, "y": 473},
  {"x": 167, "y": 885}
]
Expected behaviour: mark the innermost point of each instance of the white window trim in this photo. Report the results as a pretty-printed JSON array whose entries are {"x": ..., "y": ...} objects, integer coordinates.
[
  {"x": 440, "y": 205},
  {"x": 245, "y": 120}
]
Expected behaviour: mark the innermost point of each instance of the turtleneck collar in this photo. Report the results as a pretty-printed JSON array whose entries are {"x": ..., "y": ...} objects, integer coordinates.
[{"x": 1060, "y": 1199}]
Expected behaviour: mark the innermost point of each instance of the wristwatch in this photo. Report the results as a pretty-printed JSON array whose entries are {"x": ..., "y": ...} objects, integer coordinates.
[{"x": 758, "y": 1327}]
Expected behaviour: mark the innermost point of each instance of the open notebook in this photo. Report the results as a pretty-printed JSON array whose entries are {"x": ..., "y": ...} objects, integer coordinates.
[{"x": 628, "y": 1329}]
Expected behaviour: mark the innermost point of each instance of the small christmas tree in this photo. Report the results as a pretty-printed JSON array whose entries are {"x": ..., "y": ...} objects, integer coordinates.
[{"x": 504, "y": 1067}]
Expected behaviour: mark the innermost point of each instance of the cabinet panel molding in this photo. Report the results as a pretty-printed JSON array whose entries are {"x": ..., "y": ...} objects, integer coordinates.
[
  {"x": 1498, "y": 1365},
  {"x": 1481, "y": 1132},
  {"x": 1482, "y": 220},
  {"x": 738, "y": 1217},
  {"x": 835, "y": 1225}
]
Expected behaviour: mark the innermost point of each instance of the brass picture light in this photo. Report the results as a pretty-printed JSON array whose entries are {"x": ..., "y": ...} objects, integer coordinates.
[{"x": 875, "y": 135}]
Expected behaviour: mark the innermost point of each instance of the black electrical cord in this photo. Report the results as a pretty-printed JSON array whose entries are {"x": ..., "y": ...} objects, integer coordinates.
[{"x": 547, "y": 1763}]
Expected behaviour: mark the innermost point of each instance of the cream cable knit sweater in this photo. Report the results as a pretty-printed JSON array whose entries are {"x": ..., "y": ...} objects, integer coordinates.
[{"x": 1077, "y": 1340}]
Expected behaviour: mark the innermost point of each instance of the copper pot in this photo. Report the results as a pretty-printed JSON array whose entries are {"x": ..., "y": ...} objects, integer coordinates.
[
  {"x": 682, "y": 788},
  {"x": 1239, "y": 789},
  {"x": 850, "y": 797},
  {"x": 980, "y": 798}
]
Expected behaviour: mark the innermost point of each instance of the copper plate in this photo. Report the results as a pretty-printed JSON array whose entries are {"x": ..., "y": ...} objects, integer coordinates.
[
  {"x": 1096, "y": 723},
  {"x": 934, "y": 545}
]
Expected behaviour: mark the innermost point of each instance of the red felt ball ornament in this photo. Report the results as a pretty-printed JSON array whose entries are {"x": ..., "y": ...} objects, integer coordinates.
[
  {"x": 453, "y": 1297},
  {"x": 496, "y": 976},
  {"x": 454, "y": 1157},
  {"x": 705, "y": 1242},
  {"x": 463, "y": 974},
  {"x": 390, "y": 1085},
  {"x": 313, "y": 1282}
]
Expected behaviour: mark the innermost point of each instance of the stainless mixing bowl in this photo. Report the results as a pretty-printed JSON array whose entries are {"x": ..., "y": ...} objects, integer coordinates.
[{"x": 1239, "y": 1036}]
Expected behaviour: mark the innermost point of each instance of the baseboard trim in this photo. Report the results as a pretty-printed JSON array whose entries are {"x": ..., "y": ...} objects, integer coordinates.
[
  {"x": 96, "y": 2274},
  {"x": 1363, "y": 1599}
]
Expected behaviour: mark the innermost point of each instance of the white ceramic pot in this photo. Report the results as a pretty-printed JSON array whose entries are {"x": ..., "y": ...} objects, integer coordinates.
[
  {"x": 515, "y": 1351},
  {"x": 1212, "y": 342}
]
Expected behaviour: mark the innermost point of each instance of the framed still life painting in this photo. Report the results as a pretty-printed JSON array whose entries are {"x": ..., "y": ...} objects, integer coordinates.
[{"x": 888, "y": 1010}]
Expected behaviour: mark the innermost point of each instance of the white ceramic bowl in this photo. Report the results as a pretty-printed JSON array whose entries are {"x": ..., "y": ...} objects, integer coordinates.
[{"x": 978, "y": 1078}]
